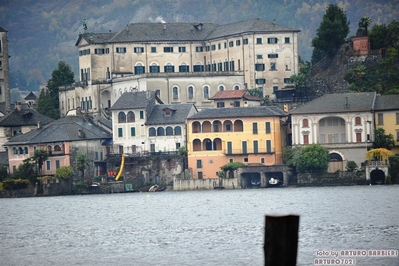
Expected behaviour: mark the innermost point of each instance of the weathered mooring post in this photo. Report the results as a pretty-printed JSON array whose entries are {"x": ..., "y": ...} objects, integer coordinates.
[{"x": 281, "y": 240}]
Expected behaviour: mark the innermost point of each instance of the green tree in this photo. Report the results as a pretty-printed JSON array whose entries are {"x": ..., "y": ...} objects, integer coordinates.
[
  {"x": 393, "y": 34},
  {"x": 182, "y": 151},
  {"x": 351, "y": 166},
  {"x": 256, "y": 92},
  {"x": 3, "y": 172},
  {"x": 378, "y": 36},
  {"x": 82, "y": 162},
  {"x": 45, "y": 105},
  {"x": 39, "y": 157},
  {"x": 291, "y": 155},
  {"x": 229, "y": 167},
  {"x": 382, "y": 140},
  {"x": 300, "y": 81},
  {"x": 365, "y": 22},
  {"x": 394, "y": 168},
  {"x": 26, "y": 170},
  {"x": 332, "y": 31},
  {"x": 61, "y": 76},
  {"x": 64, "y": 172},
  {"x": 314, "y": 158}
]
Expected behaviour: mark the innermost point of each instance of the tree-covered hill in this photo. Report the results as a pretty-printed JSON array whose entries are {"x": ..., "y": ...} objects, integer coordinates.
[{"x": 43, "y": 32}]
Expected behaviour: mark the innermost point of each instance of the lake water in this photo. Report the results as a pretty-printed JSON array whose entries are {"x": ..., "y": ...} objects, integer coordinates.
[{"x": 196, "y": 227}]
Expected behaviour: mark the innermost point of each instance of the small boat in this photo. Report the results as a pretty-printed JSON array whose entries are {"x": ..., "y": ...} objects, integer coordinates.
[
  {"x": 274, "y": 181},
  {"x": 255, "y": 182},
  {"x": 153, "y": 188},
  {"x": 159, "y": 189}
]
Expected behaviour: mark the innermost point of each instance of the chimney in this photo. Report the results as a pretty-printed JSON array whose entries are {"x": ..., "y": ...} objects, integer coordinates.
[
  {"x": 81, "y": 133},
  {"x": 164, "y": 26},
  {"x": 39, "y": 124},
  {"x": 18, "y": 106}
]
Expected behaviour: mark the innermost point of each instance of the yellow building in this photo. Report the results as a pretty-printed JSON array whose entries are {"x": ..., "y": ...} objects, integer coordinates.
[
  {"x": 386, "y": 112},
  {"x": 251, "y": 135}
]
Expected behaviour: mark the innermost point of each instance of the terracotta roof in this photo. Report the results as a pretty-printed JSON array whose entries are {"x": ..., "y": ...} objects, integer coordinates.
[{"x": 234, "y": 94}]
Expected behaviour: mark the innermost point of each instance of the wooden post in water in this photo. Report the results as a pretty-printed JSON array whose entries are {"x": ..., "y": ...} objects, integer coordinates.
[{"x": 281, "y": 240}]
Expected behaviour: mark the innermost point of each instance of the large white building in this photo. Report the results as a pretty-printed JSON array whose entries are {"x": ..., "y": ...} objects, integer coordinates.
[{"x": 182, "y": 62}]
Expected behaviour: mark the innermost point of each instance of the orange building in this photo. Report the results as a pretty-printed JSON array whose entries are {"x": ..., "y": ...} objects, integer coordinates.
[{"x": 251, "y": 135}]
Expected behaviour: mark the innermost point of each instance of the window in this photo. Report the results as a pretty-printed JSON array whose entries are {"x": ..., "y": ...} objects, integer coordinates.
[
  {"x": 272, "y": 66},
  {"x": 268, "y": 128},
  {"x": 245, "y": 160},
  {"x": 226, "y": 66},
  {"x": 228, "y": 128},
  {"x": 26, "y": 151},
  {"x": 206, "y": 92},
  {"x": 231, "y": 44},
  {"x": 152, "y": 147},
  {"x": 238, "y": 42},
  {"x": 245, "y": 41},
  {"x": 200, "y": 175},
  {"x": 154, "y": 68},
  {"x": 182, "y": 49},
  {"x": 199, "y": 49},
  {"x": 120, "y": 132},
  {"x": 190, "y": 92},
  {"x": 219, "y": 46},
  {"x": 169, "y": 131},
  {"x": 244, "y": 147},
  {"x": 380, "y": 119},
  {"x": 397, "y": 135},
  {"x": 231, "y": 65},
  {"x": 138, "y": 49},
  {"x": 272, "y": 40},
  {"x": 254, "y": 128},
  {"x": 207, "y": 48},
  {"x": 178, "y": 131},
  {"x": 184, "y": 68},
  {"x": 199, "y": 163},
  {"x": 160, "y": 131},
  {"x": 121, "y": 117},
  {"x": 260, "y": 81},
  {"x": 397, "y": 117},
  {"x": 130, "y": 116},
  {"x": 287, "y": 40},
  {"x": 268, "y": 146},
  {"x": 132, "y": 131},
  {"x": 258, "y": 40},
  {"x": 120, "y": 50},
  {"x": 259, "y": 67},
  {"x": 139, "y": 69},
  {"x": 305, "y": 139},
  {"x": 175, "y": 92},
  {"x": 100, "y": 51},
  {"x": 255, "y": 146},
  {"x": 141, "y": 114},
  {"x": 272, "y": 56},
  {"x": 221, "y": 88},
  {"x": 48, "y": 165},
  {"x": 169, "y": 68},
  {"x": 153, "y": 49},
  {"x": 220, "y": 66},
  {"x": 229, "y": 147},
  {"x": 198, "y": 68},
  {"x": 236, "y": 103},
  {"x": 168, "y": 49},
  {"x": 225, "y": 45},
  {"x": 262, "y": 160},
  {"x": 305, "y": 123},
  {"x": 259, "y": 56},
  {"x": 152, "y": 132},
  {"x": 358, "y": 121},
  {"x": 213, "y": 47},
  {"x": 287, "y": 80},
  {"x": 220, "y": 105},
  {"x": 57, "y": 164},
  {"x": 177, "y": 145}
]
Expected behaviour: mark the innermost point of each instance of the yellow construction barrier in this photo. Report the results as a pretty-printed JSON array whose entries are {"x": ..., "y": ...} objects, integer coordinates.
[{"x": 121, "y": 168}]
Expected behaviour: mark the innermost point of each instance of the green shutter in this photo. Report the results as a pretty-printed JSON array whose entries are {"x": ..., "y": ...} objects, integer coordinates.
[{"x": 132, "y": 131}]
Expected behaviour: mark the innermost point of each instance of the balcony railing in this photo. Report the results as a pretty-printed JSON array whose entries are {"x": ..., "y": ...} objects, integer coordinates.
[{"x": 248, "y": 151}]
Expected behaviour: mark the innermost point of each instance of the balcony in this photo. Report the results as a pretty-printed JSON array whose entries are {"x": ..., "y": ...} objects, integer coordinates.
[{"x": 248, "y": 151}]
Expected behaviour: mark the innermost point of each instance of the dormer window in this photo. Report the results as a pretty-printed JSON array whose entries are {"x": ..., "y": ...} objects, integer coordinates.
[{"x": 167, "y": 112}]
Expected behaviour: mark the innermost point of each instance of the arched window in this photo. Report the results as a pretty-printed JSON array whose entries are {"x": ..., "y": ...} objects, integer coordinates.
[
  {"x": 221, "y": 88},
  {"x": 57, "y": 148},
  {"x": 358, "y": 121},
  {"x": 206, "y": 92},
  {"x": 236, "y": 87},
  {"x": 169, "y": 131},
  {"x": 190, "y": 92},
  {"x": 130, "y": 117},
  {"x": 305, "y": 123},
  {"x": 175, "y": 93},
  {"x": 160, "y": 131},
  {"x": 152, "y": 132},
  {"x": 14, "y": 151},
  {"x": 178, "y": 130},
  {"x": 26, "y": 151},
  {"x": 20, "y": 150},
  {"x": 121, "y": 117}
]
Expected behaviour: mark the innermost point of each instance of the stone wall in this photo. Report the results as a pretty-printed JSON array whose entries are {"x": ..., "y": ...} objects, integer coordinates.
[
  {"x": 332, "y": 179},
  {"x": 205, "y": 184},
  {"x": 18, "y": 193}
]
